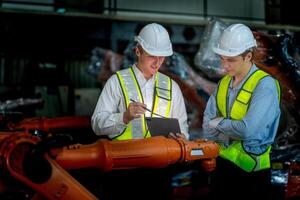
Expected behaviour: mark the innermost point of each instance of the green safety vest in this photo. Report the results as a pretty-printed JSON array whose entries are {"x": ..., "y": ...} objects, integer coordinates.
[
  {"x": 131, "y": 90},
  {"x": 235, "y": 152}
]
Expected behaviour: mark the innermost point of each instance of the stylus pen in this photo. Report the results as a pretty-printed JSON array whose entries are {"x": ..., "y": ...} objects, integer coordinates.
[{"x": 149, "y": 110}]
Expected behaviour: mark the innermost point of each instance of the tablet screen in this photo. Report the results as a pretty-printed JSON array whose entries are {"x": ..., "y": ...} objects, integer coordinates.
[{"x": 162, "y": 126}]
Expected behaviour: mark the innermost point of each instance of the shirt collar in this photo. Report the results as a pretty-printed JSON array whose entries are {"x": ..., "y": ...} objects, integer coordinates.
[
  {"x": 140, "y": 77},
  {"x": 252, "y": 69}
]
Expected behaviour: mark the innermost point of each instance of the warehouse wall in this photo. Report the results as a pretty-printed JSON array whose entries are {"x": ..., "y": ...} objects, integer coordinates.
[{"x": 246, "y": 9}]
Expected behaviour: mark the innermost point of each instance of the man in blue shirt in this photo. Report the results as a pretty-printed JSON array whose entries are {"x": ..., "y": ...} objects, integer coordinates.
[{"x": 242, "y": 115}]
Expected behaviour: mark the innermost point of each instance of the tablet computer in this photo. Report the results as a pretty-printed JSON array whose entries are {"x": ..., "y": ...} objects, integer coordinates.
[{"x": 162, "y": 126}]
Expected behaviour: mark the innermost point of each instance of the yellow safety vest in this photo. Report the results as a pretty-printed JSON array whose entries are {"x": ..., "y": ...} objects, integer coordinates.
[
  {"x": 131, "y": 90},
  {"x": 235, "y": 152}
]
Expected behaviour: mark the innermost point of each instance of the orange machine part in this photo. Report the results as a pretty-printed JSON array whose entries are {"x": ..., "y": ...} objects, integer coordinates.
[
  {"x": 46, "y": 124},
  {"x": 58, "y": 184},
  {"x": 21, "y": 158},
  {"x": 154, "y": 152}
]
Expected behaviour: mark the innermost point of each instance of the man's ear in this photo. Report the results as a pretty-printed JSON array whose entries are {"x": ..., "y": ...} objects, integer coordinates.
[
  {"x": 137, "y": 52},
  {"x": 249, "y": 56}
]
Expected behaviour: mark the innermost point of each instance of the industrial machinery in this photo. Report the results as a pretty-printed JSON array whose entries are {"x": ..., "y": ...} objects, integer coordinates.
[
  {"x": 50, "y": 124},
  {"x": 41, "y": 164}
]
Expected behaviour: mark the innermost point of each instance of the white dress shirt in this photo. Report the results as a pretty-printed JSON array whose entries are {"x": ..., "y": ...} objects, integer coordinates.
[{"x": 107, "y": 118}]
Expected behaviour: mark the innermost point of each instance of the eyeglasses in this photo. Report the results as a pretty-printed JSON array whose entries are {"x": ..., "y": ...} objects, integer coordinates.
[{"x": 149, "y": 110}]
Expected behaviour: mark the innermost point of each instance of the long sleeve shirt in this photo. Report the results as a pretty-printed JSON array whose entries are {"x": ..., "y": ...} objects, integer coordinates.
[
  {"x": 257, "y": 130},
  {"x": 107, "y": 118}
]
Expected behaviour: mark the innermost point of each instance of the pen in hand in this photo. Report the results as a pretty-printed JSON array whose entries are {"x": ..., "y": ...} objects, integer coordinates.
[{"x": 149, "y": 110}]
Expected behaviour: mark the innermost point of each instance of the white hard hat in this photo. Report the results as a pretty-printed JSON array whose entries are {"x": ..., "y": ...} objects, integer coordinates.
[
  {"x": 155, "y": 40},
  {"x": 235, "y": 40}
]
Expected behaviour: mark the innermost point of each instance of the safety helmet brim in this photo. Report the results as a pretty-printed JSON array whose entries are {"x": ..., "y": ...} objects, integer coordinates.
[{"x": 225, "y": 53}]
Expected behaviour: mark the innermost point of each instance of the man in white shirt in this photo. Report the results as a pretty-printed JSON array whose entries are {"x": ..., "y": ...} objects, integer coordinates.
[{"x": 141, "y": 91}]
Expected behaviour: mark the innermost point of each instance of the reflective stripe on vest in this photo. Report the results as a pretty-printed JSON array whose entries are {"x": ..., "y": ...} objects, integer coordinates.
[
  {"x": 162, "y": 103},
  {"x": 131, "y": 90},
  {"x": 235, "y": 152}
]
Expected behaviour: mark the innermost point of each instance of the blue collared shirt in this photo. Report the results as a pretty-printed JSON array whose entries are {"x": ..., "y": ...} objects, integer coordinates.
[{"x": 258, "y": 128}]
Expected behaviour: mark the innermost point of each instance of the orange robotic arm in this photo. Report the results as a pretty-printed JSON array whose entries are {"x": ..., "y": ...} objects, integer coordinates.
[
  {"x": 25, "y": 162},
  {"x": 154, "y": 152},
  {"x": 47, "y": 124},
  {"x": 38, "y": 171}
]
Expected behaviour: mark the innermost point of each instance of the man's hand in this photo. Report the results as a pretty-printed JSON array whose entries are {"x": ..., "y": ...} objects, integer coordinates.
[
  {"x": 134, "y": 110},
  {"x": 177, "y": 136}
]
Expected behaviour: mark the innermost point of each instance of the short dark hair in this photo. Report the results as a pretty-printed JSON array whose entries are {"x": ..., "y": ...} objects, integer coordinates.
[
  {"x": 140, "y": 48},
  {"x": 252, "y": 50}
]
